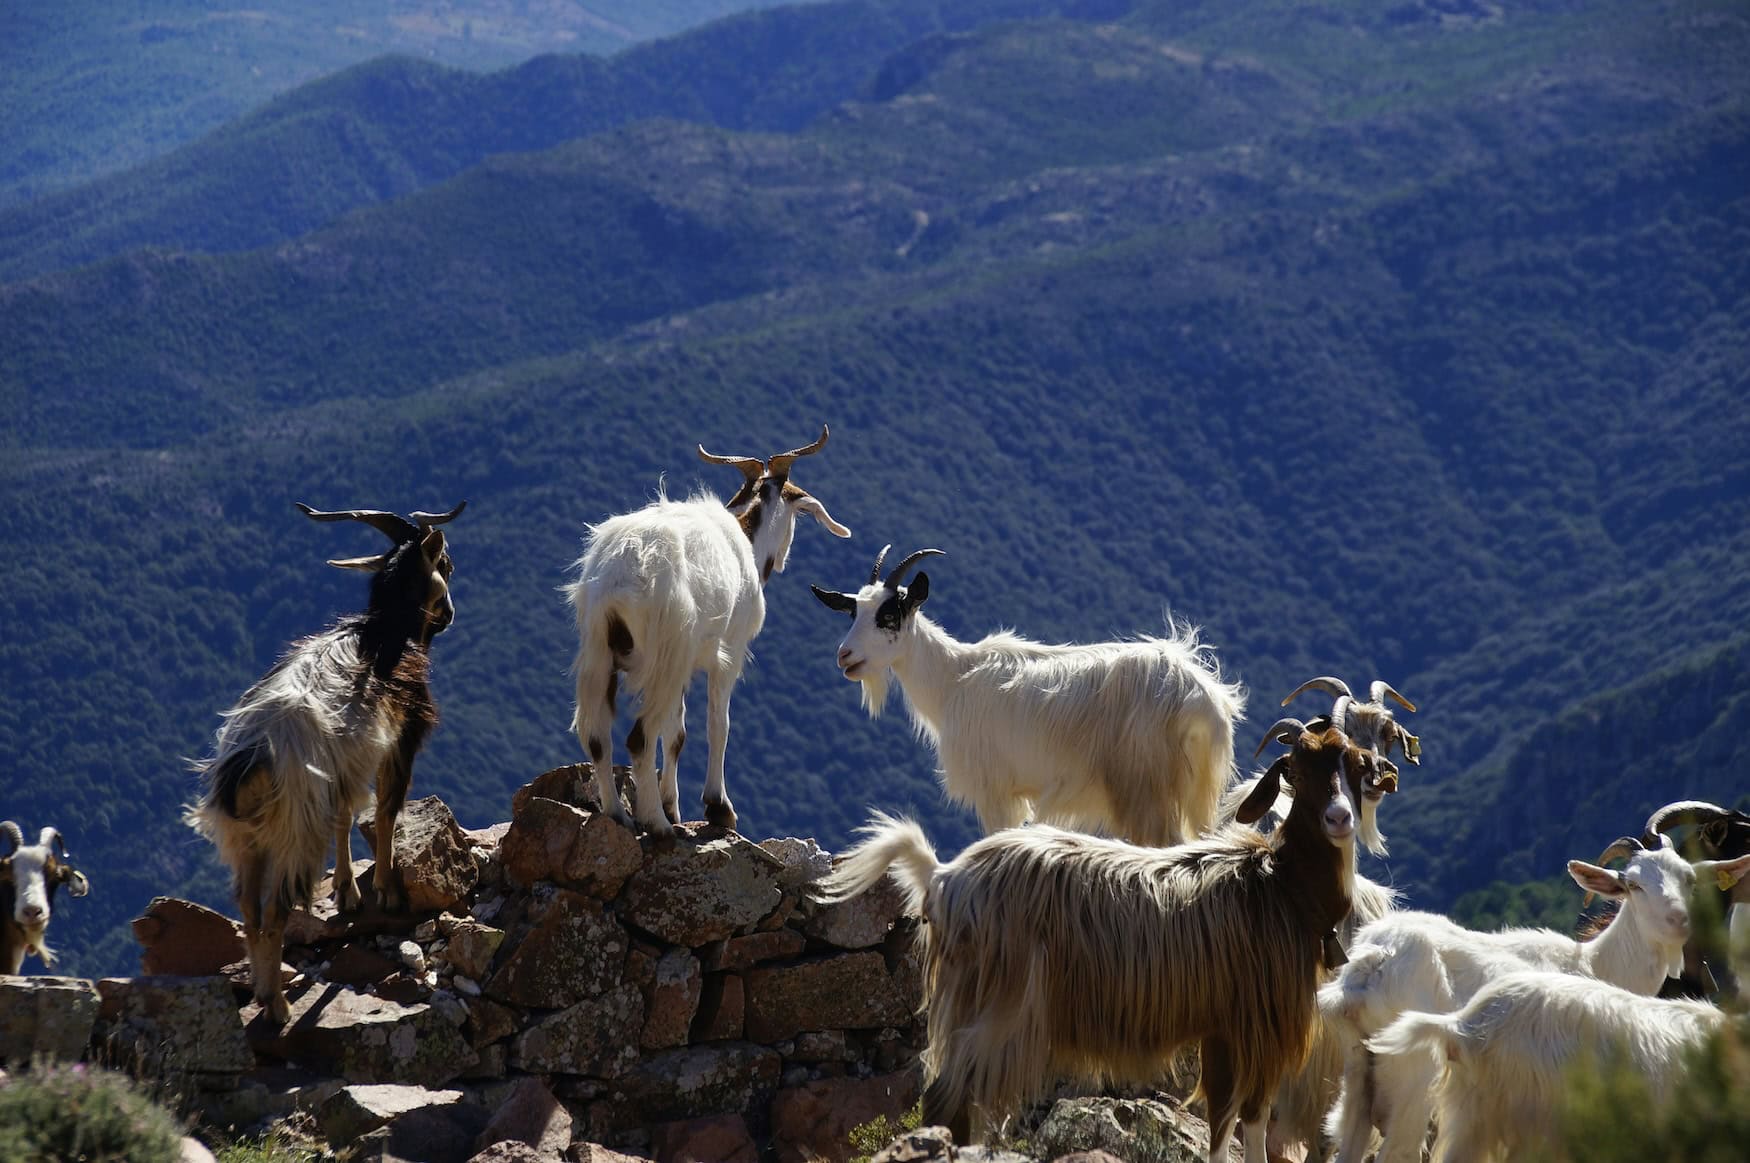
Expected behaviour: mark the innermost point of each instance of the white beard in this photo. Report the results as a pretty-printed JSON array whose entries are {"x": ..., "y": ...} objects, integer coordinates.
[{"x": 875, "y": 692}]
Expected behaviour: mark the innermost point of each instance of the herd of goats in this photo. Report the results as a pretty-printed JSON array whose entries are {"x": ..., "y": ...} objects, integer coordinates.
[{"x": 1119, "y": 907}]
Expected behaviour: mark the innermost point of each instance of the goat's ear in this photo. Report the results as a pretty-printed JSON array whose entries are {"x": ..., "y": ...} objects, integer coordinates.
[
  {"x": 432, "y": 544},
  {"x": 1726, "y": 873},
  {"x": 917, "y": 593},
  {"x": 1268, "y": 787},
  {"x": 1596, "y": 880},
  {"x": 373, "y": 563},
  {"x": 833, "y": 600},
  {"x": 805, "y": 503},
  {"x": 76, "y": 883}
]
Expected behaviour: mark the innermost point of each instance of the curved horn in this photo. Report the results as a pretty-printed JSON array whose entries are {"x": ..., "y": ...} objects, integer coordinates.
[
  {"x": 392, "y": 526},
  {"x": 1340, "y": 712},
  {"x": 751, "y": 466},
  {"x": 1335, "y": 687},
  {"x": 779, "y": 463},
  {"x": 911, "y": 559},
  {"x": 51, "y": 838},
  {"x": 13, "y": 833},
  {"x": 875, "y": 574},
  {"x": 427, "y": 520},
  {"x": 1380, "y": 689},
  {"x": 1621, "y": 846},
  {"x": 1278, "y": 733},
  {"x": 1682, "y": 812}
]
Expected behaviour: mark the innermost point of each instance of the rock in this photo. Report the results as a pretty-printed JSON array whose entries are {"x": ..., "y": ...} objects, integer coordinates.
[
  {"x": 471, "y": 947},
  {"x": 528, "y": 1114},
  {"x": 701, "y": 1080},
  {"x": 596, "y": 1036},
  {"x": 596, "y": 1153},
  {"x": 365, "y": 1039},
  {"x": 488, "y": 1021},
  {"x": 47, "y": 1018},
  {"x": 849, "y": 991},
  {"x": 722, "y": 1009},
  {"x": 1126, "y": 1127},
  {"x": 1088, "y": 1157},
  {"x": 819, "y": 1046},
  {"x": 411, "y": 955},
  {"x": 575, "y": 951},
  {"x": 717, "y": 1139},
  {"x": 433, "y": 1134},
  {"x": 803, "y": 860},
  {"x": 187, "y": 940},
  {"x": 174, "y": 1026},
  {"x": 672, "y": 1001},
  {"x": 573, "y": 785},
  {"x": 860, "y": 921},
  {"x": 359, "y": 965},
  {"x": 744, "y": 952},
  {"x": 488, "y": 837},
  {"x": 192, "y": 1150},
  {"x": 924, "y": 1145},
  {"x": 814, "y": 1121},
  {"x": 353, "y": 1111},
  {"x": 432, "y": 855},
  {"x": 692, "y": 891},
  {"x": 511, "y": 1151}
]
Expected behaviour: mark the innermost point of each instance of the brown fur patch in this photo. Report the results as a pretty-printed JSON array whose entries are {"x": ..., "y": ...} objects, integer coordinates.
[{"x": 619, "y": 637}]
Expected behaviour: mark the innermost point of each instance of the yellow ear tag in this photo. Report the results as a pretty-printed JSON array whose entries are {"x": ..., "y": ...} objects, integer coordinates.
[{"x": 1724, "y": 879}]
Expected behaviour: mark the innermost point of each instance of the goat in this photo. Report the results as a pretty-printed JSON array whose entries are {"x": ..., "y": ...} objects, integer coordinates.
[
  {"x": 1506, "y": 1051},
  {"x": 1370, "y": 724},
  {"x": 673, "y": 588},
  {"x": 29, "y": 876},
  {"x": 1423, "y": 961},
  {"x": 339, "y": 718},
  {"x": 1134, "y": 738},
  {"x": 1720, "y": 834},
  {"x": 1051, "y": 953}
]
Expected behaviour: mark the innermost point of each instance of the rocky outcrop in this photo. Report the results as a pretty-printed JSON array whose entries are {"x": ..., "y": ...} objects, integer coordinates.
[{"x": 45, "y": 1019}]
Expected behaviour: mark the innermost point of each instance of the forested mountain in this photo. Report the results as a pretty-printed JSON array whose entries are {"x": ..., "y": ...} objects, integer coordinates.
[{"x": 1407, "y": 345}]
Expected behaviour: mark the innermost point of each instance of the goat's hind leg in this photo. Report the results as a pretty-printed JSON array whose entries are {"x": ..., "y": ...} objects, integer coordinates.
[
  {"x": 393, "y": 780},
  {"x": 346, "y": 890},
  {"x": 674, "y": 737},
  {"x": 263, "y": 936},
  {"x": 1222, "y": 1105},
  {"x": 719, "y": 812}
]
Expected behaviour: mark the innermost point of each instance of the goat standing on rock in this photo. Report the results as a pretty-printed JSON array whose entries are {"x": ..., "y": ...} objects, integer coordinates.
[
  {"x": 673, "y": 588},
  {"x": 29, "y": 876},
  {"x": 1134, "y": 738},
  {"x": 337, "y": 719}
]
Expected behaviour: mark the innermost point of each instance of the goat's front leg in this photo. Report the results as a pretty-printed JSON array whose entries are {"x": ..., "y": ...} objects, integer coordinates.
[
  {"x": 641, "y": 742},
  {"x": 719, "y": 812},
  {"x": 346, "y": 890},
  {"x": 393, "y": 779},
  {"x": 1218, "y": 1091},
  {"x": 674, "y": 737}
]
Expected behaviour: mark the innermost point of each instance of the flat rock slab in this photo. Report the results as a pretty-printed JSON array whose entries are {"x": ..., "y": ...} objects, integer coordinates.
[
  {"x": 720, "y": 1078},
  {"x": 184, "y": 939},
  {"x": 47, "y": 1018},
  {"x": 356, "y": 1110},
  {"x": 528, "y": 1115},
  {"x": 175, "y": 1025},
  {"x": 690, "y": 892},
  {"x": 364, "y": 1038}
]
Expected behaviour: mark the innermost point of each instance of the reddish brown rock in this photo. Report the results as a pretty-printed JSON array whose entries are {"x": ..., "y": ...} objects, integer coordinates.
[
  {"x": 716, "y": 1139},
  {"x": 860, "y": 921},
  {"x": 45, "y": 1018},
  {"x": 471, "y": 946},
  {"x": 743, "y": 952},
  {"x": 528, "y": 1114},
  {"x": 360, "y": 965},
  {"x": 598, "y": 1036},
  {"x": 722, "y": 1012},
  {"x": 488, "y": 1021},
  {"x": 849, "y": 991},
  {"x": 693, "y": 891},
  {"x": 814, "y": 1121},
  {"x": 432, "y": 856},
  {"x": 672, "y": 1000},
  {"x": 819, "y": 1046},
  {"x": 573, "y": 784},
  {"x": 184, "y": 939},
  {"x": 596, "y": 1153},
  {"x": 575, "y": 951},
  {"x": 586, "y": 850}
]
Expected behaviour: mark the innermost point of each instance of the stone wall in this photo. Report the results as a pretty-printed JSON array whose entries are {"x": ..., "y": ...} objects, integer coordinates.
[{"x": 566, "y": 987}]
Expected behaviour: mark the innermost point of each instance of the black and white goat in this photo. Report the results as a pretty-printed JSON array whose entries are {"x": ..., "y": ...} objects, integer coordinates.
[
  {"x": 1718, "y": 834},
  {"x": 674, "y": 588},
  {"x": 1050, "y": 953},
  {"x": 1134, "y": 738},
  {"x": 29, "y": 876},
  {"x": 337, "y": 720}
]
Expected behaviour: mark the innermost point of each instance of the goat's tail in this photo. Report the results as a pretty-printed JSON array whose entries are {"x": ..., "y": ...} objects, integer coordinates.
[
  {"x": 892, "y": 843},
  {"x": 1416, "y": 1032}
]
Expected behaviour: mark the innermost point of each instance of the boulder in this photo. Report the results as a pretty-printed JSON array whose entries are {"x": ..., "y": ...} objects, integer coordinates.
[
  {"x": 363, "y": 1038},
  {"x": 354, "y": 1111},
  {"x": 573, "y": 784},
  {"x": 174, "y": 1025},
  {"x": 744, "y": 952},
  {"x": 691, "y": 891},
  {"x": 488, "y": 1021},
  {"x": 597, "y": 1036},
  {"x": 860, "y": 921},
  {"x": 187, "y": 940},
  {"x": 471, "y": 947},
  {"x": 814, "y": 1121},
  {"x": 528, "y": 1114},
  {"x": 701, "y": 1080},
  {"x": 1129, "y": 1128},
  {"x": 432, "y": 854},
  {"x": 715, "y": 1139},
  {"x": 574, "y": 951},
  {"x": 847, "y": 991},
  {"x": 45, "y": 1018},
  {"x": 924, "y": 1145},
  {"x": 549, "y": 840},
  {"x": 671, "y": 1001}
]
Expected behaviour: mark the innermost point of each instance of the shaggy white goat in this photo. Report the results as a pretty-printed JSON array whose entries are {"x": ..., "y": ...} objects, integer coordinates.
[
  {"x": 29, "y": 876},
  {"x": 1505, "y": 1053},
  {"x": 1134, "y": 738},
  {"x": 671, "y": 589}
]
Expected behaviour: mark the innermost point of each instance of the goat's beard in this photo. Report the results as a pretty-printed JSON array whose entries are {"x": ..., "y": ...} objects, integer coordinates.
[{"x": 875, "y": 692}]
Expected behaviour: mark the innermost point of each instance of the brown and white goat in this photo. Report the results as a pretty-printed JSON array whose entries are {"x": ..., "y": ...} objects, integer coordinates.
[
  {"x": 1051, "y": 954},
  {"x": 337, "y": 720},
  {"x": 29, "y": 876}
]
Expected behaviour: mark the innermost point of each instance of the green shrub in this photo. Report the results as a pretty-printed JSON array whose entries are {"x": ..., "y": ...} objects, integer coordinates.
[
  {"x": 869, "y": 1138},
  {"x": 80, "y": 1115}
]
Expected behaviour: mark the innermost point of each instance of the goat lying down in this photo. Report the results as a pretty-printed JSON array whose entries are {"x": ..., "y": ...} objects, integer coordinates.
[
  {"x": 29, "y": 876},
  {"x": 1050, "y": 953},
  {"x": 1134, "y": 738}
]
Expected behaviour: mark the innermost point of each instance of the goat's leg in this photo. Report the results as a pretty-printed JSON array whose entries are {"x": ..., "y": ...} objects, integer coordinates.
[
  {"x": 597, "y": 689},
  {"x": 1218, "y": 1096},
  {"x": 657, "y": 702},
  {"x": 945, "y": 1106},
  {"x": 719, "y": 812},
  {"x": 265, "y": 908},
  {"x": 1405, "y": 1086},
  {"x": 393, "y": 780},
  {"x": 1350, "y": 1122},
  {"x": 346, "y": 889},
  {"x": 674, "y": 737}
]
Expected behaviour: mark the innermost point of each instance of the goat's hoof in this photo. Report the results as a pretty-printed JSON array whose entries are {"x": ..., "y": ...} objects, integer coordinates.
[
  {"x": 658, "y": 829},
  {"x": 277, "y": 1007},
  {"x": 721, "y": 815},
  {"x": 347, "y": 897},
  {"x": 391, "y": 899},
  {"x": 673, "y": 812}
]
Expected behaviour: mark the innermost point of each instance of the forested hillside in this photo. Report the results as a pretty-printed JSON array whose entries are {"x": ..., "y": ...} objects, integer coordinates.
[{"x": 1409, "y": 345}]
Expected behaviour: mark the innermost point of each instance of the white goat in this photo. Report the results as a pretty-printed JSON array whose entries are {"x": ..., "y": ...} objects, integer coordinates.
[
  {"x": 1505, "y": 1053},
  {"x": 1422, "y": 961},
  {"x": 29, "y": 876},
  {"x": 1134, "y": 738},
  {"x": 671, "y": 589}
]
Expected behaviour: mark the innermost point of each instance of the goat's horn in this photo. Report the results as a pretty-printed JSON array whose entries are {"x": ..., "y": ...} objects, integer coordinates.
[
  {"x": 899, "y": 571},
  {"x": 396, "y": 528},
  {"x": 779, "y": 463},
  {"x": 752, "y": 467},
  {"x": 1278, "y": 733},
  {"x": 1340, "y": 712},
  {"x": 1682, "y": 812},
  {"x": 13, "y": 833},
  {"x": 1621, "y": 846},
  {"x": 51, "y": 838},
  {"x": 1335, "y": 687},
  {"x": 875, "y": 574},
  {"x": 1380, "y": 689},
  {"x": 427, "y": 520}
]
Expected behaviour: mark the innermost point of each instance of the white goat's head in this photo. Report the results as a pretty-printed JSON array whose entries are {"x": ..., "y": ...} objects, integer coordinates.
[
  {"x": 882, "y": 619},
  {"x": 768, "y": 501},
  {"x": 32, "y": 873},
  {"x": 1655, "y": 887},
  {"x": 1370, "y": 724},
  {"x": 412, "y": 580}
]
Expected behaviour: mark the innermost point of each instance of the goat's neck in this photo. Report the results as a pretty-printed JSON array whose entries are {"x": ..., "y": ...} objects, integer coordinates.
[
  {"x": 1621, "y": 955},
  {"x": 1318, "y": 872},
  {"x": 928, "y": 669},
  {"x": 387, "y": 635}
]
